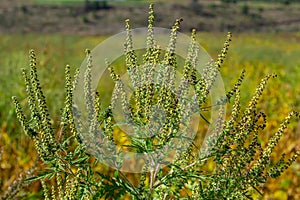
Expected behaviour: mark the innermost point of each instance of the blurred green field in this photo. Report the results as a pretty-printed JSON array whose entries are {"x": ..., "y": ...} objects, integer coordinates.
[{"x": 259, "y": 54}]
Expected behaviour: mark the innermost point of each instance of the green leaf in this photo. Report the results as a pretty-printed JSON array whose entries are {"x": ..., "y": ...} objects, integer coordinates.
[
  {"x": 116, "y": 173},
  {"x": 39, "y": 176},
  {"x": 80, "y": 160}
]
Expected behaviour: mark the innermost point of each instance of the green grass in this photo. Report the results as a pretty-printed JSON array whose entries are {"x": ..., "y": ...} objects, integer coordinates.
[
  {"x": 59, "y": 2},
  {"x": 258, "y": 54},
  {"x": 54, "y": 52}
]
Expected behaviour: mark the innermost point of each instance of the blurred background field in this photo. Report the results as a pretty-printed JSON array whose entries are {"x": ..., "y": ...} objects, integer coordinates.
[{"x": 263, "y": 45}]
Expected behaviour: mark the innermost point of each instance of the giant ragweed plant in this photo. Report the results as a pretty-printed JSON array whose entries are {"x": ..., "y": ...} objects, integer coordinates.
[{"x": 241, "y": 163}]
